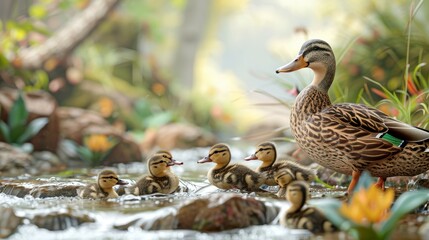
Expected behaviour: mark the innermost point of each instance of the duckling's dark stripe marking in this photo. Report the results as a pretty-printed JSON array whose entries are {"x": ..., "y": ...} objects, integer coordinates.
[
  {"x": 393, "y": 140},
  {"x": 161, "y": 161},
  {"x": 217, "y": 151},
  {"x": 111, "y": 177}
]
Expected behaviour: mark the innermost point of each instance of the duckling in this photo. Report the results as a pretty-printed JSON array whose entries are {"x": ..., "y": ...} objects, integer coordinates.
[
  {"x": 103, "y": 189},
  {"x": 267, "y": 153},
  {"x": 301, "y": 216},
  {"x": 168, "y": 155},
  {"x": 159, "y": 180},
  {"x": 230, "y": 176}
]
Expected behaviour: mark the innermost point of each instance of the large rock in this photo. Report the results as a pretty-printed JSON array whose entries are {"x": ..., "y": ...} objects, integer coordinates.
[
  {"x": 9, "y": 222},
  {"x": 57, "y": 221},
  {"x": 216, "y": 212},
  {"x": 177, "y": 135},
  {"x": 77, "y": 123},
  {"x": 38, "y": 104},
  {"x": 39, "y": 188},
  {"x": 12, "y": 161}
]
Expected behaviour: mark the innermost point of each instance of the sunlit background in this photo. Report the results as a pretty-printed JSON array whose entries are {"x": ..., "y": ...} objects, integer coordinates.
[{"x": 210, "y": 64}]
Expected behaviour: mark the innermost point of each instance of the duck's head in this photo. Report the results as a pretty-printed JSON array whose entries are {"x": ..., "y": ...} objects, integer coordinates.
[
  {"x": 265, "y": 152},
  {"x": 317, "y": 55},
  {"x": 157, "y": 165},
  {"x": 297, "y": 193},
  {"x": 219, "y": 154},
  {"x": 167, "y": 155},
  {"x": 108, "y": 178}
]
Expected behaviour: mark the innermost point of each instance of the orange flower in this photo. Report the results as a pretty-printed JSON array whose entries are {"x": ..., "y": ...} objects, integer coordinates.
[
  {"x": 98, "y": 143},
  {"x": 368, "y": 206},
  {"x": 106, "y": 107}
]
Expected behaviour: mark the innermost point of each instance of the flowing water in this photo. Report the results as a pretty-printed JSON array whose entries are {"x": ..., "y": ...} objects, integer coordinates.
[{"x": 126, "y": 208}]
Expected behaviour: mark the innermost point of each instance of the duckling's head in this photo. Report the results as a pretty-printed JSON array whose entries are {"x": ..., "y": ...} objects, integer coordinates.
[
  {"x": 317, "y": 55},
  {"x": 219, "y": 154},
  {"x": 167, "y": 155},
  {"x": 108, "y": 178},
  {"x": 265, "y": 152},
  {"x": 158, "y": 164},
  {"x": 297, "y": 193}
]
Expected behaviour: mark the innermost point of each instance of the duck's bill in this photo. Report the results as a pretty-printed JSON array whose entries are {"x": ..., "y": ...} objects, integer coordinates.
[
  {"x": 296, "y": 64},
  {"x": 204, "y": 160},
  {"x": 121, "y": 182},
  {"x": 251, "y": 157},
  {"x": 175, "y": 162}
]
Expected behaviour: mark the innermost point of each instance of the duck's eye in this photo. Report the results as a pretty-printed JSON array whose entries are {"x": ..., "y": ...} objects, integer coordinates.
[
  {"x": 316, "y": 48},
  {"x": 268, "y": 152}
]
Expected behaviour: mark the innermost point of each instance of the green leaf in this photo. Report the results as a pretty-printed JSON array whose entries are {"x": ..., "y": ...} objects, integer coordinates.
[
  {"x": 403, "y": 205},
  {"x": 365, "y": 181},
  {"x": 37, "y": 11},
  {"x": 32, "y": 129},
  {"x": 5, "y": 132},
  {"x": 330, "y": 208},
  {"x": 18, "y": 114}
]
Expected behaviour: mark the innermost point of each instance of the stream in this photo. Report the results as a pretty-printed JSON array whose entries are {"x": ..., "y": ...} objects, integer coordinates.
[{"x": 107, "y": 215}]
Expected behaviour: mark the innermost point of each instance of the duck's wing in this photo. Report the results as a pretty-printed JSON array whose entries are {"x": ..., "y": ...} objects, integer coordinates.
[{"x": 357, "y": 130}]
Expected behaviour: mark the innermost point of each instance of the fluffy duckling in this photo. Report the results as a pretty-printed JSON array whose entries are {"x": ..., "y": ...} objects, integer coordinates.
[
  {"x": 229, "y": 176},
  {"x": 168, "y": 155},
  {"x": 301, "y": 216},
  {"x": 287, "y": 170},
  {"x": 160, "y": 179},
  {"x": 103, "y": 189}
]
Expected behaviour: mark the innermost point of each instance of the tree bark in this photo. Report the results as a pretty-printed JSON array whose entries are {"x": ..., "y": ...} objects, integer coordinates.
[
  {"x": 68, "y": 37},
  {"x": 192, "y": 31}
]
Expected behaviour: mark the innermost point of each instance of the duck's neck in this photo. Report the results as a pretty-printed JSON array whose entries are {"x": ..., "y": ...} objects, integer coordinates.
[
  {"x": 267, "y": 163},
  {"x": 323, "y": 75},
  {"x": 110, "y": 193}
]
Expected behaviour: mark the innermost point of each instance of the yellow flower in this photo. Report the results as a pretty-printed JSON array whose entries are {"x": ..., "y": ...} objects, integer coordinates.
[
  {"x": 368, "y": 206},
  {"x": 98, "y": 143}
]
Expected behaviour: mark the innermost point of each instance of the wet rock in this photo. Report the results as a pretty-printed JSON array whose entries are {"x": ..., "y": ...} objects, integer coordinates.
[
  {"x": 177, "y": 135},
  {"x": 12, "y": 161},
  {"x": 9, "y": 222},
  {"x": 46, "y": 162},
  {"x": 60, "y": 221},
  {"x": 77, "y": 123},
  {"x": 39, "y": 189},
  {"x": 216, "y": 212},
  {"x": 39, "y": 104}
]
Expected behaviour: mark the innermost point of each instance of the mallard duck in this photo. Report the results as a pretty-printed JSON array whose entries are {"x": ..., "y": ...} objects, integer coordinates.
[
  {"x": 350, "y": 138},
  {"x": 267, "y": 153},
  {"x": 103, "y": 189},
  {"x": 159, "y": 180},
  {"x": 230, "y": 176},
  {"x": 301, "y": 216}
]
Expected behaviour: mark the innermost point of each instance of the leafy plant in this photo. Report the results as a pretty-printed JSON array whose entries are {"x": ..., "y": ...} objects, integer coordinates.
[
  {"x": 368, "y": 215},
  {"x": 16, "y": 131},
  {"x": 95, "y": 149}
]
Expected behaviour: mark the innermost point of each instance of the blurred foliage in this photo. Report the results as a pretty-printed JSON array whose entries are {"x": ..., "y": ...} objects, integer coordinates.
[
  {"x": 28, "y": 30},
  {"x": 17, "y": 131},
  {"x": 384, "y": 66},
  {"x": 126, "y": 60}
]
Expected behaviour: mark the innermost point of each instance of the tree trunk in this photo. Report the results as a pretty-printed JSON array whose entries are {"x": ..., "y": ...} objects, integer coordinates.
[
  {"x": 192, "y": 31},
  {"x": 68, "y": 37}
]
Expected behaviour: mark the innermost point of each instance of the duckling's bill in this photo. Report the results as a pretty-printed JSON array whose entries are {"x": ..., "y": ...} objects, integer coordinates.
[
  {"x": 204, "y": 160},
  {"x": 296, "y": 64},
  {"x": 251, "y": 157},
  {"x": 121, "y": 182}
]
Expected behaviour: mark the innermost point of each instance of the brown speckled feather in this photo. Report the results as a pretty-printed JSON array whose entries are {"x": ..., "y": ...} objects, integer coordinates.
[
  {"x": 236, "y": 176},
  {"x": 351, "y": 137}
]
